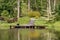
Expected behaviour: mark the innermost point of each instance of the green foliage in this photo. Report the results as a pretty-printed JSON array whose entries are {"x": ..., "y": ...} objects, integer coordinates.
[
  {"x": 40, "y": 21},
  {"x": 8, "y": 5},
  {"x": 34, "y": 14},
  {"x": 23, "y": 20},
  {"x": 58, "y": 12},
  {"x": 5, "y": 13},
  {"x": 24, "y": 9},
  {"x": 12, "y": 20}
]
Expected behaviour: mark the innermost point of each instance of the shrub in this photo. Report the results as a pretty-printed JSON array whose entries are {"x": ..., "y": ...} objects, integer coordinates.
[
  {"x": 11, "y": 20},
  {"x": 1, "y": 18},
  {"x": 34, "y": 14},
  {"x": 5, "y": 13}
]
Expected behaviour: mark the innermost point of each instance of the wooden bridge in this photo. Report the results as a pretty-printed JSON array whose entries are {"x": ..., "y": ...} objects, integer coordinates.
[{"x": 29, "y": 27}]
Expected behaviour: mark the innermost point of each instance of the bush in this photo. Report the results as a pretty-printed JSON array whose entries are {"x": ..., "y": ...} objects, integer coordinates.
[
  {"x": 1, "y": 18},
  {"x": 5, "y": 13},
  {"x": 11, "y": 20},
  {"x": 34, "y": 14}
]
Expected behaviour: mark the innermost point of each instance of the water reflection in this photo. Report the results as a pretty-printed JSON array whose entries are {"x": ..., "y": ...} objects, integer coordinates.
[{"x": 27, "y": 34}]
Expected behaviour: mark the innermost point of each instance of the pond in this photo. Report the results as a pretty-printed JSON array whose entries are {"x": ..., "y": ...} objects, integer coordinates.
[{"x": 27, "y": 34}]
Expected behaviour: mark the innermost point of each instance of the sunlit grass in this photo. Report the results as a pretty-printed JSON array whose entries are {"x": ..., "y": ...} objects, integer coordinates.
[{"x": 25, "y": 20}]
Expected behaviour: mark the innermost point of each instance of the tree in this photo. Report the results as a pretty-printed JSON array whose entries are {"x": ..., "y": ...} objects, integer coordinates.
[
  {"x": 48, "y": 9},
  {"x": 8, "y": 5},
  {"x": 57, "y": 10},
  {"x": 18, "y": 6},
  {"x": 28, "y": 5},
  {"x": 24, "y": 8}
]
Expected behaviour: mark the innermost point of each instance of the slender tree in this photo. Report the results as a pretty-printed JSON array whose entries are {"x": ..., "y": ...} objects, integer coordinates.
[
  {"x": 18, "y": 7},
  {"x": 54, "y": 5},
  {"x": 28, "y": 5},
  {"x": 49, "y": 9}
]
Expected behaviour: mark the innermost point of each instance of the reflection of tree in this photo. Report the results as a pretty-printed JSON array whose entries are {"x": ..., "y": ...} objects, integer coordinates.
[{"x": 33, "y": 33}]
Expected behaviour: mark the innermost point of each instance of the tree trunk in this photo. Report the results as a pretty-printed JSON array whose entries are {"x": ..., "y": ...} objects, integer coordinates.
[
  {"x": 49, "y": 9},
  {"x": 54, "y": 5},
  {"x": 28, "y": 5},
  {"x": 18, "y": 6}
]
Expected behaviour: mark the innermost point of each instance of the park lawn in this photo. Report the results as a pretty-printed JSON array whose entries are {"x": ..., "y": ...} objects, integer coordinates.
[
  {"x": 21, "y": 21},
  {"x": 25, "y": 20},
  {"x": 6, "y": 25}
]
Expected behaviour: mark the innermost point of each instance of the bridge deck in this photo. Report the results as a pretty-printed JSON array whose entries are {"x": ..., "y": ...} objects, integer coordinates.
[{"x": 32, "y": 27}]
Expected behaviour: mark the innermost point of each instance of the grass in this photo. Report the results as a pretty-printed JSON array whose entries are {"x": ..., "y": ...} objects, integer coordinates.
[
  {"x": 57, "y": 25},
  {"x": 25, "y": 20},
  {"x": 21, "y": 21}
]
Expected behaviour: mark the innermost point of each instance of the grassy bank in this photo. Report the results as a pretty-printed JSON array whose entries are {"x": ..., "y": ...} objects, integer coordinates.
[{"x": 25, "y": 20}]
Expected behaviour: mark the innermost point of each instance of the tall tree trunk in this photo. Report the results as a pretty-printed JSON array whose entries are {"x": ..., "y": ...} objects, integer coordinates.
[
  {"x": 54, "y": 5},
  {"x": 49, "y": 9},
  {"x": 28, "y": 5},
  {"x": 18, "y": 6}
]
